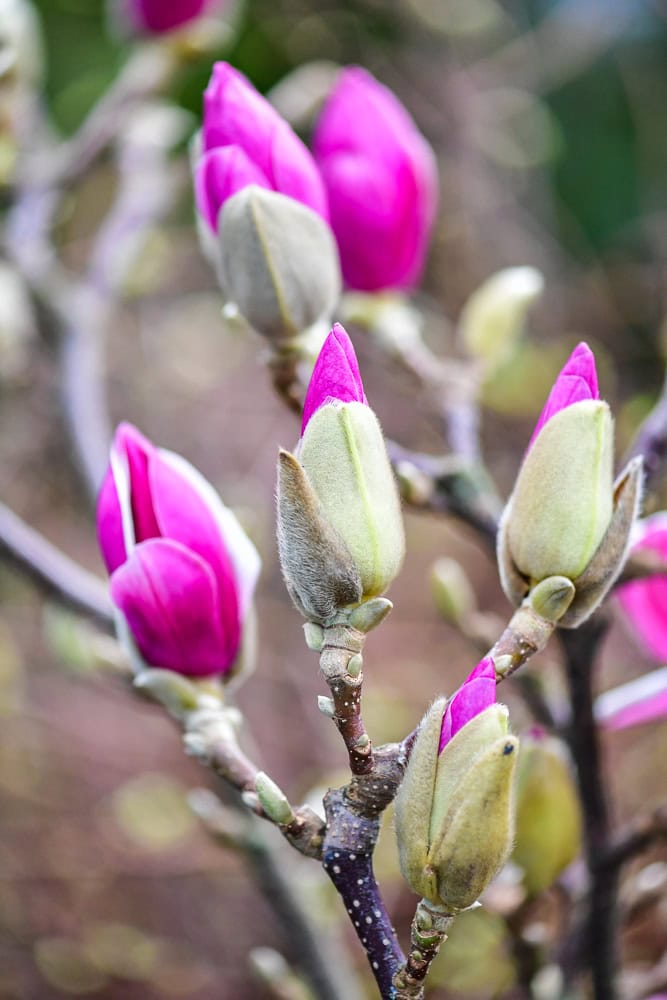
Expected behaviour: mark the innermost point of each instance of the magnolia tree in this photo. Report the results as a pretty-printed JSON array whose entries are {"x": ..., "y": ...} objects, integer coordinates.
[{"x": 298, "y": 239}]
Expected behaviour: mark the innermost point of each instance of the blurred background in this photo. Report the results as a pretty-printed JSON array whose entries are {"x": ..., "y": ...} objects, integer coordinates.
[{"x": 547, "y": 119}]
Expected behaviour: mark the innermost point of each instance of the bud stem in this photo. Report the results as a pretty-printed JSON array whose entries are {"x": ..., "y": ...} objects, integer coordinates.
[
  {"x": 429, "y": 930},
  {"x": 340, "y": 662},
  {"x": 526, "y": 634}
]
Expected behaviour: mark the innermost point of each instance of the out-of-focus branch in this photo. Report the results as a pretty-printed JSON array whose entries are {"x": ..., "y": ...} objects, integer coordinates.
[
  {"x": 636, "y": 837},
  {"x": 651, "y": 439},
  {"x": 51, "y": 569}
]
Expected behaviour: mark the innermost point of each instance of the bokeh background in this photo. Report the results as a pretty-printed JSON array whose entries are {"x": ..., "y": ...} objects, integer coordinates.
[{"x": 548, "y": 123}]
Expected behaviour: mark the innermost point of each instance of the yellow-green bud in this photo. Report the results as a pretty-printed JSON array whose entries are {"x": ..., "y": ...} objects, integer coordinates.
[
  {"x": 493, "y": 318},
  {"x": 454, "y": 809},
  {"x": 452, "y": 591},
  {"x": 279, "y": 262},
  {"x": 548, "y": 815},
  {"x": 344, "y": 457}
]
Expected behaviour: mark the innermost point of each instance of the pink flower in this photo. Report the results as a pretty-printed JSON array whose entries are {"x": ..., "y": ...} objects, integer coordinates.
[
  {"x": 245, "y": 141},
  {"x": 635, "y": 703},
  {"x": 335, "y": 376},
  {"x": 182, "y": 570},
  {"x": 381, "y": 180},
  {"x": 476, "y": 693},
  {"x": 645, "y": 601},
  {"x": 155, "y": 17},
  {"x": 577, "y": 381}
]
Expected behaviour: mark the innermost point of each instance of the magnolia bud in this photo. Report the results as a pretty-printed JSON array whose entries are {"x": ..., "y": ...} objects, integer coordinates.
[
  {"x": 452, "y": 591},
  {"x": 359, "y": 495},
  {"x": 548, "y": 815},
  {"x": 454, "y": 809},
  {"x": 493, "y": 318},
  {"x": 567, "y": 522},
  {"x": 279, "y": 261}
]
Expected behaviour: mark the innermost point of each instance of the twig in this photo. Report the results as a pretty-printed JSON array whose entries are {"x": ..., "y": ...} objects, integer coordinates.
[
  {"x": 51, "y": 569},
  {"x": 340, "y": 663},
  {"x": 635, "y": 838},
  {"x": 598, "y": 942},
  {"x": 428, "y": 932}
]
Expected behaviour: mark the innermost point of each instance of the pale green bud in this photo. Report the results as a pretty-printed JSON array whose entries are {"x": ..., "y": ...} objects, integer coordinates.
[
  {"x": 319, "y": 570},
  {"x": 279, "y": 261},
  {"x": 452, "y": 591},
  {"x": 493, "y": 318},
  {"x": 273, "y": 799},
  {"x": 345, "y": 460},
  {"x": 454, "y": 810},
  {"x": 548, "y": 814},
  {"x": 562, "y": 503}
]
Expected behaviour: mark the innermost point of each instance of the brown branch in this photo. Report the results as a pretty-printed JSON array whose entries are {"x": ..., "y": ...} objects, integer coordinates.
[
  {"x": 340, "y": 663},
  {"x": 428, "y": 932},
  {"x": 636, "y": 837}
]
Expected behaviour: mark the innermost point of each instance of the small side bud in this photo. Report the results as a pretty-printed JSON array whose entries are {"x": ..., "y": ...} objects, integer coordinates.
[
  {"x": 314, "y": 636},
  {"x": 273, "y": 800},
  {"x": 280, "y": 262},
  {"x": 354, "y": 665},
  {"x": 326, "y": 706},
  {"x": 370, "y": 614},
  {"x": 552, "y": 597}
]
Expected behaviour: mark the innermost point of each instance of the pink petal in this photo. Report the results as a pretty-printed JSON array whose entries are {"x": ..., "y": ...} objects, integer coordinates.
[
  {"x": 130, "y": 444},
  {"x": 235, "y": 114},
  {"x": 184, "y": 516},
  {"x": 645, "y": 601},
  {"x": 293, "y": 171},
  {"x": 157, "y": 16},
  {"x": 110, "y": 524},
  {"x": 381, "y": 181},
  {"x": 649, "y": 710},
  {"x": 335, "y": 376},
  {"x": 577, "y": 381},
  {"x": 172, "y": 604},
  {"x": 220, "y": 174},
  {"x": 476, "y": 694}
]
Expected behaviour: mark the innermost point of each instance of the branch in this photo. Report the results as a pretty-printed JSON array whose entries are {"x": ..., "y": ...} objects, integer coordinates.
[
  {"x": 51, "y": 569},
  {"x": 428, "y": 932},
  {"x": 635, "y": 838}
]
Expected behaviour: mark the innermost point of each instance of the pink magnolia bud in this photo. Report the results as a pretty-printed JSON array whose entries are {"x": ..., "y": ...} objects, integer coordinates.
[
  {"x": 336, "y": 375},
  {"x": 645, "y": 601},
  {"x": 155, "y": 17},
  {"x": 182, "y": 570},
  {"x": 476, "y": 693},
  {"x": 578, "y": 380},
  {"x": 266, "y": 150},
  {"x": 381, "y": 180}
]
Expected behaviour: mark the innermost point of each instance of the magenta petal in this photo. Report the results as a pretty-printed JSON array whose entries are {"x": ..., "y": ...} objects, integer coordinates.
[
  {"x": 576, "y": 382},
  {"x": 235, "y": 114},
  {"x": 294, "y": 173},
  {"x": 184, "y": 516},
  {"x": 171, "y": 601},
  {"x": 645, "y": 601},
  {"x": 649, "y": 710},
  {"x": 220, "y": 174},
  {"x": 335, "y": 376},
  {"x": 131, "y": 445},
  {"x": 157, "y": 16},
  {"x": 110, "y": 524},
  {"x": 475, "y": 695}
]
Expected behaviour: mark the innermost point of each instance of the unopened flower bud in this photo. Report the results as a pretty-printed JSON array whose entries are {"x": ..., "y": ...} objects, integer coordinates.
[
  {"x": 452, "y": 591},
  {"x": 340, "y": 531},
  {"x": 493, "y": 318},
  {"x": 279, "y": 262},
  {"x": 273, "y": 799},
  {"x": 566, "y": 516},
  {"x": 548, "y": 815},
  {"x": 454, "y": 809}
]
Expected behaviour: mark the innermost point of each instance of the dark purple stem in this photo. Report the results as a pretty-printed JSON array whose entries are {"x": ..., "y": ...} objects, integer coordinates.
[{"x": 348, "y": 861}]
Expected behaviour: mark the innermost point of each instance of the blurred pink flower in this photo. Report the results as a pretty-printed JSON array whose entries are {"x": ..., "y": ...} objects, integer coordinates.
[
  {"x": 577, "y": 381},
  {"x": 645, "y": 601},
  {"x": 381, "y": 179},
  {"x": 635, "y": 703},
  {"x": 245, "y": 141},
  {"x": 476, "y": 693},
  {"x": 155, "y": 17},
  {"x": 182, "y": 570},
  {"x": 335, "y": 376}
]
